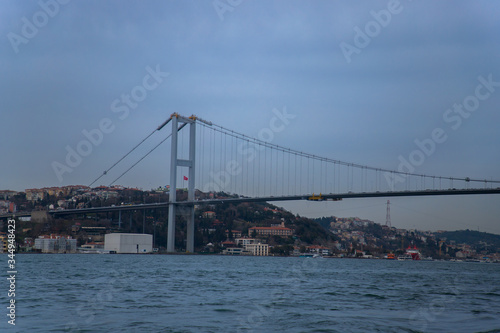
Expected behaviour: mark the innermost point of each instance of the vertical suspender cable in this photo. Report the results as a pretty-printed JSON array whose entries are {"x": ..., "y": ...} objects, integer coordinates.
[{"x": 313, "y": 172}]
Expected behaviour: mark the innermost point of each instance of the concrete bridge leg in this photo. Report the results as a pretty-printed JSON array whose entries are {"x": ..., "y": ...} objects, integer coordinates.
[
  {"x": 171, "y": 228},
  {"x": 190, "y": 231},
  {"x": 174, "y": 163},
  {"x": 172, "y": 197},
  {"x": 191, "y": 189}
]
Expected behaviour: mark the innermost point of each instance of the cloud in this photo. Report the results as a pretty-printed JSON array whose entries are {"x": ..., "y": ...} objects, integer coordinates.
[{"x": 263, "y": 55}]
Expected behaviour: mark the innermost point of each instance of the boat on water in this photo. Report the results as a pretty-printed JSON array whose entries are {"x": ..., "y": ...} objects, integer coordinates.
[
  {"x": 391, "y": 256},
  {"x": 405, "y": 257},
  {"x": 413, "y": 252},
  {"x": 310, "y": 255}
]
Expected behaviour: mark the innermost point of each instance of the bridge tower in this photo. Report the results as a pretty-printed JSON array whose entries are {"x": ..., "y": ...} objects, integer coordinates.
[{"x": 174, "y": 163}]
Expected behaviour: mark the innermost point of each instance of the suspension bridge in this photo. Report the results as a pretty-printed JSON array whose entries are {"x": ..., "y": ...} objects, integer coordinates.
[{"x": 220, "y": 165}]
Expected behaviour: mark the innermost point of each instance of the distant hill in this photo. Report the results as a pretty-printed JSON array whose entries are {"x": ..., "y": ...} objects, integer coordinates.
[
  {"x": 376, "y": 238},
  {"x": 475, "y": 238}
]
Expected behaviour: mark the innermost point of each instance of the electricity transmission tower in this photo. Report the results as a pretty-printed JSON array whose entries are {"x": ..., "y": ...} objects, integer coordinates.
[{"x": 388, "y": 215}]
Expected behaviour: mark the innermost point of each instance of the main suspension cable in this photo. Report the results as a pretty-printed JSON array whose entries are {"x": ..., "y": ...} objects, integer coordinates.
[
  {"x": 149, "y": 152},
  {"x": 105, "y": 172}
]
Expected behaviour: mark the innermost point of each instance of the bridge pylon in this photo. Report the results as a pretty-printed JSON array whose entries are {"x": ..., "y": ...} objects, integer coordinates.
[{"x": 175, "y": 162}]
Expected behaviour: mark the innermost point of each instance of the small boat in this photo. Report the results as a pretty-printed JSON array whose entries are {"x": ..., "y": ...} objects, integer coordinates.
[{"x": 391, "y": 256}]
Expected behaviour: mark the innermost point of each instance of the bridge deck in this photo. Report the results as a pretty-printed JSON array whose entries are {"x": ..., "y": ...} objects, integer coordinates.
[
  {"x": 324, "y": 197},
  {"x": 280, "y": 198}
]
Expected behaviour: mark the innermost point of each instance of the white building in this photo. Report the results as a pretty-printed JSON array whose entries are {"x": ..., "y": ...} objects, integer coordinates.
[
  {"x": 244, "y": 241},
  {"x": 236, "y": 251},
  {"x": 250, "y": 247},
  {"x": 128, "y": 243},
  {"x": 55, "y": 244},
  {"x": 258, "y": 249}
]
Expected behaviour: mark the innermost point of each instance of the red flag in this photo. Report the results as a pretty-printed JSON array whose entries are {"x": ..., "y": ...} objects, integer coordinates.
[{"x": 185, "y": 178}]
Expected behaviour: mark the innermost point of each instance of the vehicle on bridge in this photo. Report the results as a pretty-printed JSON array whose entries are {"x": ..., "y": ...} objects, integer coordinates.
[{"x": 316, "y": 197}]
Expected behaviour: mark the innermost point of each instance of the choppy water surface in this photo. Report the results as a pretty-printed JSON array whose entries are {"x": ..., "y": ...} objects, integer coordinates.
[{"x": 180, "y": 293}]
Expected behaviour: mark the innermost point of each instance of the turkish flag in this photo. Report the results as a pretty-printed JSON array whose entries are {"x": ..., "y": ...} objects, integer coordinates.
[{"x": 185, "y": 178}]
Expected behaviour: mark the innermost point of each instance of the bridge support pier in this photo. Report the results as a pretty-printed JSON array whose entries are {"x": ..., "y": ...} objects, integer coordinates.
[
  {"x": 174, "y": 163},
  {"x": 190, "y": 231},
  {"x": 171, "y": 228}
]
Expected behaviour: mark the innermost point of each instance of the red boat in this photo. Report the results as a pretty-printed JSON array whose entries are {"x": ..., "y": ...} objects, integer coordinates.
[{"x": 413, "y": 252}]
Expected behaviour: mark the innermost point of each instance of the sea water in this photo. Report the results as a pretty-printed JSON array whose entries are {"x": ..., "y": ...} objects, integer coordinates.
[{"x": 211, "y": 293}]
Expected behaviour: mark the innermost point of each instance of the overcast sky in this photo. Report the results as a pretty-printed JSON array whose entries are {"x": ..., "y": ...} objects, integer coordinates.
[{"x": 363, "y": 79}]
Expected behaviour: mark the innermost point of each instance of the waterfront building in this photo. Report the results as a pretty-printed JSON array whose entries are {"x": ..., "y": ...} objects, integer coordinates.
[
  {"x": 4, "y": 242},
  {"x": 93, "y": 246},
  {"x": 321, "y": 250},
  {"x": 236, "y": 251},
  {"x": 258, "y": 249},
  {"x": 244, "y": 241},
  {"x": 128, "y": 243},
  {"x": 55, "y": 244}
]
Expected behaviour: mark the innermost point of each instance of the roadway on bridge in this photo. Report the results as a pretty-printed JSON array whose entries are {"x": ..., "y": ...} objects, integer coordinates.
[{"x": 317, "y": 197}]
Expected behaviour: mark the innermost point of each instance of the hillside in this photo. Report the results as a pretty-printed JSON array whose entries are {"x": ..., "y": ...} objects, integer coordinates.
[
  {"x": 367, "y": 235},
  {"x": 220, "y": 224},
  {"x": 482, "y": 241},
  {"x": 214, "y": 224},
  {"x": 241, "y": 217}
]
